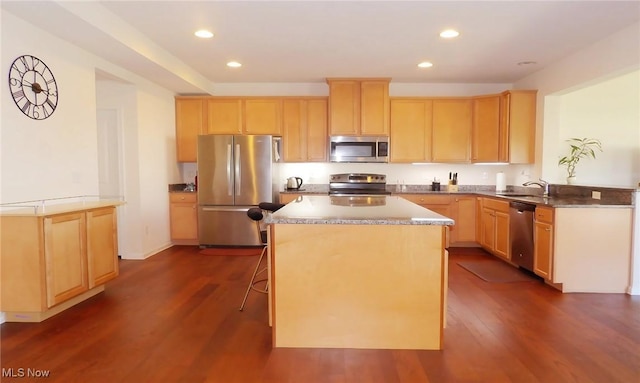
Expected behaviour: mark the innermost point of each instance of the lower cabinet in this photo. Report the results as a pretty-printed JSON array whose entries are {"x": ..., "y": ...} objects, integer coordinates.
[
  {"x": 494, "y": 227},
  {"x": 460, "y": 208},
  {"x": 52, "y": 261},
  {"x": 463, "y": 208},
  {"x": 183, "y": 212},
  {"x": 543, "y": 242}
]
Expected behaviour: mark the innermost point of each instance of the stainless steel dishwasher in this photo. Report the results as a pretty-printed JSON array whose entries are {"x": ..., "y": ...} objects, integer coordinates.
[{"x": 521, "y": 234}]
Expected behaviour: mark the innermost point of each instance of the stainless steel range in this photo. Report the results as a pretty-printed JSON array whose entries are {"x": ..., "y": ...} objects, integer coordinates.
[{"x": 363, "y": 184}]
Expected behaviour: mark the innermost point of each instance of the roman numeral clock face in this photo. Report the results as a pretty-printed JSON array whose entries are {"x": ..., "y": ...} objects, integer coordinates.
[{"x": 33, "y": 87}]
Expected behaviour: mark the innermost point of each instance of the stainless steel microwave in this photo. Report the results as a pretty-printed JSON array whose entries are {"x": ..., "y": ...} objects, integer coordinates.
[{"x": 359, "y": 149}]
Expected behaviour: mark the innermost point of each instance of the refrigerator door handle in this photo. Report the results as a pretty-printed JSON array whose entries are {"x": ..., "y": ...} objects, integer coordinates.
[
  {"x": 238, "y": 168},
  {"x": 229, "y": 184}
]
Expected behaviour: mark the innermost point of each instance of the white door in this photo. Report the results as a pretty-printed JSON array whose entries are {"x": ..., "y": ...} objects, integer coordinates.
[{"x": 109, "y": 158}]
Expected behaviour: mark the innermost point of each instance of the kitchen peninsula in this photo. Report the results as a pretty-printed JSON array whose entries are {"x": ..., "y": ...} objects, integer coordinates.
[{"x": 357, "y": 272}]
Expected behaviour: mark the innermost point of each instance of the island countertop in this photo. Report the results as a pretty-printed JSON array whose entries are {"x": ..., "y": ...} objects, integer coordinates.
[{"x": 356, "y": 210}]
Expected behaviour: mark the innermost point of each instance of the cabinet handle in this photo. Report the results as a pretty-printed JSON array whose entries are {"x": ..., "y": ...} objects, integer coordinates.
[{"x": 547, "y": 229}]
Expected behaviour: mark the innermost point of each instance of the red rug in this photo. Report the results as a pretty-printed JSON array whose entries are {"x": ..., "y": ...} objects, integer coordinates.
[{"x": 231, "y": 251}]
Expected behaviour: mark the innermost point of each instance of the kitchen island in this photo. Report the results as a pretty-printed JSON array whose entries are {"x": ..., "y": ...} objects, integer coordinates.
[{"x": 357, "y": 272}]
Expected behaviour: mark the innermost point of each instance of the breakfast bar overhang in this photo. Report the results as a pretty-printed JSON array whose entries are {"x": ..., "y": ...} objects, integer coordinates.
[{"x": 357, "y": 272}]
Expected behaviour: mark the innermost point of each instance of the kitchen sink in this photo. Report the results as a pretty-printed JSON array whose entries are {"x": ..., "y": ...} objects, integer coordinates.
[{"x": 516, "y": 195}]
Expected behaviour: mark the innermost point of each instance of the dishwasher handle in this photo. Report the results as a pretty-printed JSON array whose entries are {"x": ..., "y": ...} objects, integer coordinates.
[{"x": 521, "y": 206}]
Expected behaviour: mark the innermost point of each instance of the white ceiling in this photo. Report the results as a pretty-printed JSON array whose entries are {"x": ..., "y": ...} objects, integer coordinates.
[{"x": 308, "y": 41}]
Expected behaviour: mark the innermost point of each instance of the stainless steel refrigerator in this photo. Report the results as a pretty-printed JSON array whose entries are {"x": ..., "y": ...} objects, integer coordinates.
[{"x": 235, "y": 173}]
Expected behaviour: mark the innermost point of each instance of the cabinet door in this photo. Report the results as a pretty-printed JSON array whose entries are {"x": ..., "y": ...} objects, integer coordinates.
[
  {"x": 543, "y": 249},
  {"x": 183, "y": 212},
  {"x": 65, "y": 257},
  {"x": 102, "y": 242},
  {"x": 502, "y": 235},
  {"x": 488, "y": 223},
  {"x": 464, "y": 214},
  {"x": 317, "y": 138},
  {"x": 263, "y": 116},
  {"x": 452, "y": 120},
  {"x": 519, "y": 125},
  {"x": 344, "y": 107},
  {"x": 485, "y": 140},
  {"x": 190, "y": 122},
  {"x": 410, "y": 131},
  {"x": 224, "y": 116},
  {"x": 305, "y": 130},
  {"x": 374, "y": 108},
  {"x": 294, "y": 137}
]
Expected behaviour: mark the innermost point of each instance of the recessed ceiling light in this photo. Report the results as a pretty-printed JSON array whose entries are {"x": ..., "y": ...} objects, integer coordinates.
[
  {"x": 425, "y": 64},
  {"x": 524, "y": 63},
  {"x": 449, "y": 34},
  {"x": 234, "y": 64},
  {"x": 204, "y": 34}
]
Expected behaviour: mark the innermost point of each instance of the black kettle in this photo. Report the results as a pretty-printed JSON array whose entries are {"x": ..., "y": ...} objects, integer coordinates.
[{"x": 294, "y": 183}]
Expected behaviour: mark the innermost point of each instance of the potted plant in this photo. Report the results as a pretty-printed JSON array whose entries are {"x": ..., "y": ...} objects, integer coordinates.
[{"x": 579, "y": 148}]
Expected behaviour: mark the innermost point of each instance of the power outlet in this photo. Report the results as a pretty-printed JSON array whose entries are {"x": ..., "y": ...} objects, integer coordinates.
[{"x": 595, "y": 194}]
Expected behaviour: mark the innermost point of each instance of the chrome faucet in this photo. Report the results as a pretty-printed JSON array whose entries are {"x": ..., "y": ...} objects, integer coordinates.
[{"x": 542, "y": 183}]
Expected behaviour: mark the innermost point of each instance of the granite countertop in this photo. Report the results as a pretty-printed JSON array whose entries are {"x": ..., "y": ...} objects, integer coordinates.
[
  {"x": 562, "y": 196},
  {"x": 378, "y": 210}
]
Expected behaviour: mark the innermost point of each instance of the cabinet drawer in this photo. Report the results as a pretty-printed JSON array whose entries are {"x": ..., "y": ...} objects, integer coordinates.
[
  {"x": 183, "y": 197},
  {"x": 544, "y": 214},
  {"x": 426, "y": 199},
  {"x": 495, "y": 204}
]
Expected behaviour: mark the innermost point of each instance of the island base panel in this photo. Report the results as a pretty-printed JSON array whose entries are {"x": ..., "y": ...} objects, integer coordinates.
[{"x": 358, "y": 286}]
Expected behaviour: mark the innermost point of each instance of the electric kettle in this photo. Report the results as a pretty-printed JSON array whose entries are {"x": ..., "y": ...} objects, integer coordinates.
[{"x": 294, "y": 182}]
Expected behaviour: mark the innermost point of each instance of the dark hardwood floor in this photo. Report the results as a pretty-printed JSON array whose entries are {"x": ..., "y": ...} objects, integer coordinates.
[{"x": 175, "y": 318}]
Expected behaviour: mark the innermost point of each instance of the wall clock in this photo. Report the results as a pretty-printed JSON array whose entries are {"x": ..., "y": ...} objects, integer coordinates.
[{"x": 33, "y": 87}]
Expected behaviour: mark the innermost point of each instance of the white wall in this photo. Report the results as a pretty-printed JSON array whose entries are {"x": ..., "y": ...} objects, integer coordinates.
[
  {"x": 58, "y": 157},
  {"x": 614, "y": 56}
]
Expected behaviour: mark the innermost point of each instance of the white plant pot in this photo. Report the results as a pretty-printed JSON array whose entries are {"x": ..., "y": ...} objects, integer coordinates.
[{"x": 571, "y": 180}]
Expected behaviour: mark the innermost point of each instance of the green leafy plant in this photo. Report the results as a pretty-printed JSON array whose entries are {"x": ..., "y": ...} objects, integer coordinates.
[{"x": 579, "y": 148}]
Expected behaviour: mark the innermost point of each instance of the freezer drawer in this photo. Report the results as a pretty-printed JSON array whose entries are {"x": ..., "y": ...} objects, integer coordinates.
[{"x": 226, "y": 226}]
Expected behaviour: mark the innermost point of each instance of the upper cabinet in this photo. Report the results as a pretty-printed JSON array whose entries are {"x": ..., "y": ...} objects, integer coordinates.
[
  {"x": 411, "y": 130},
  {"x": 518, "y": 125},
  {"x": 223, "y": 115},
  {"x": 263, "y": 116},
  {"x": 487, "y": 144},
  {"x": 304, "y": 130},
  {"x": 504, "y": 127},
  {"x": 244, "y": 116},
  {"x": 452, "y": 121},
  {"x": 190, "y": 122},
  {"x": 359, "y": 107}
]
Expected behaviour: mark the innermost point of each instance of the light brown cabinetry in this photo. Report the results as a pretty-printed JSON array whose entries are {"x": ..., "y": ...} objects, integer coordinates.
[
  {"x": 190, "y": 122},
  {"x": 494, "y": 227},
  {"x": 452, "y": 122},
  {"x": 411, "y": 130},
  {"x": 305, "y": 130},
  {"x": 518, "y": 125},
  {"x": 263, "y": 116},
  {"x": 461, "y": 208},
  {"x": 55, "y": 260},
  {"x": 183, "y": 211},
  {"x": 487, "y": 144},
  {"x": 543, "y": 242},
  {"x": 224, "y": 116},
  {"x": 232, "y": 115},
  {"x": 359, "y": 107},
  {"x": 463, "y": 212}
]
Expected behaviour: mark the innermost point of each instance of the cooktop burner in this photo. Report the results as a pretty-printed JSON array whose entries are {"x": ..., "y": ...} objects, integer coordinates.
[{"x": 358, "y": 184}]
